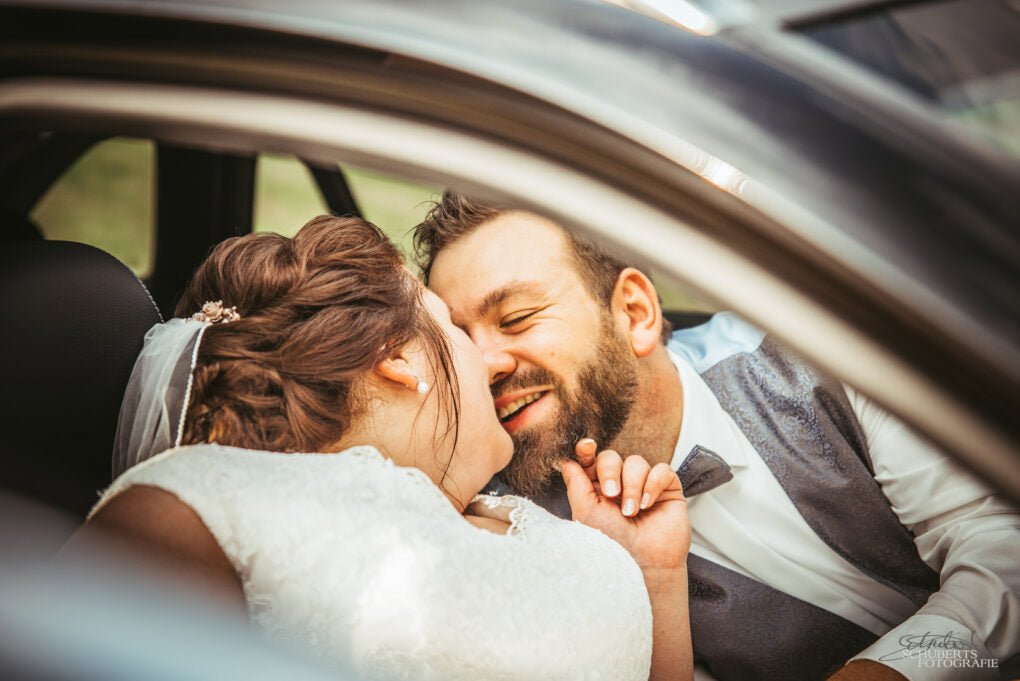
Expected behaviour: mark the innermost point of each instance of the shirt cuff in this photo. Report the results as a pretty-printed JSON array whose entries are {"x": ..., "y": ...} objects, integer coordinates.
[{"x": 933, "y": 647}]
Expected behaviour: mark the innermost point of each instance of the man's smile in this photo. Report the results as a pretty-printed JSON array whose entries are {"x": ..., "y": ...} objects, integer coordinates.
[{"x": 515, "y": 409}]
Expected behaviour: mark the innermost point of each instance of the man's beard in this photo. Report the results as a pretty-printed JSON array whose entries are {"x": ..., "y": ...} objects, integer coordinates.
[{"x": 598, "y": 409}]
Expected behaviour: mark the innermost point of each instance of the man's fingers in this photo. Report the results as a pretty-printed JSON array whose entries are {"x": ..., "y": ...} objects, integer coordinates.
[
  {"x": 635, "y": 473},
  {"x": 585, "y": 451},
  {"x": 609, "y": 466},
  {"x": 661, "y": 479}
]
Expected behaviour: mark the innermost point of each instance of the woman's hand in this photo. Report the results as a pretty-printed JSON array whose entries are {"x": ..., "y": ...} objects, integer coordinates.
[{"x": 642, "y": 507}]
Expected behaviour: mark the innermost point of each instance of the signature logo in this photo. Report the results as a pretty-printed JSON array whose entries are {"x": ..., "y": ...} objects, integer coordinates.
[{"x": 927, "y": 644}]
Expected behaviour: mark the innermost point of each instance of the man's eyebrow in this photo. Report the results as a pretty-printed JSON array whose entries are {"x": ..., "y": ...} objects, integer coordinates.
[{"x": 496, "y": 297}]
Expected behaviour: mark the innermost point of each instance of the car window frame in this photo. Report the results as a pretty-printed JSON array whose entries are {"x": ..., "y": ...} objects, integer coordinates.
[{"x": 434, "y": 151}]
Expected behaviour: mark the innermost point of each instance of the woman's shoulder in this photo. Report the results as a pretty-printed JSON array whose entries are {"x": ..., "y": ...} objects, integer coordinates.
[
  {"x": 234, "y": 489},
  {"x": 181, "y": 472},
  {"x": 228, "y": 469},
  {"x": 252, "y": 502}
]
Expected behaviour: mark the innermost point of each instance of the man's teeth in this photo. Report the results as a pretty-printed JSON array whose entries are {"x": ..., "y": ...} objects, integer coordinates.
[{"x": 517, "y": 405}]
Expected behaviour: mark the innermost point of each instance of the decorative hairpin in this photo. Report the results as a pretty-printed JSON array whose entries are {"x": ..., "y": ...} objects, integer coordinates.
[{"x": 214, "y": 313}]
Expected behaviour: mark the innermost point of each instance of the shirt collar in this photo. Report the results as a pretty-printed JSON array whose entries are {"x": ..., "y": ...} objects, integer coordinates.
[{"x": 705, "y": 422}]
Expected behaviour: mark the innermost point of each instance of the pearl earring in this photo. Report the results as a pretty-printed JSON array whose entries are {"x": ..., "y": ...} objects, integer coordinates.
[{"x": 422, "y": 387}]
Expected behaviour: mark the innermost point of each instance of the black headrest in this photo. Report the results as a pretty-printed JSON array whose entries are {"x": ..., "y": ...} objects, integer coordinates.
[{"x": 74, "y": 320}]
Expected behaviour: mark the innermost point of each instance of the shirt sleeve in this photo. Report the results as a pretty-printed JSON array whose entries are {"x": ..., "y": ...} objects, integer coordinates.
[{"x": 971, "y": 537}]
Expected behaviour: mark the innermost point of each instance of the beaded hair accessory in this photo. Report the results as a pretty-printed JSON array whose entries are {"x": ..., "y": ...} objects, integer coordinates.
[{"x": 214, "y": 313}]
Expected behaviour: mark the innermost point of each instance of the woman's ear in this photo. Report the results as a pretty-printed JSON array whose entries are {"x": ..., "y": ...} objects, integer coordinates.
[
  {"x": 635, "y": 297},
  {"x": 397, "y": 370}
]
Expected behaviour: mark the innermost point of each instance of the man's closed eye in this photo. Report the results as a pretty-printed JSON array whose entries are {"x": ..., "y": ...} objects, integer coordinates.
[{"x": 509, "y": 323}]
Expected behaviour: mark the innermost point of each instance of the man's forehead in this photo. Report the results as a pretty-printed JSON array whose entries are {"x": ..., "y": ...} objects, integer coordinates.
[
  {"x": 514, "y": 253},
  {"x": 513, "y": 234}
]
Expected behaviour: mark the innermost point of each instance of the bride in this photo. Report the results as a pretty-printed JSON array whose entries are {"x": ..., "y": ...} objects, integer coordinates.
[{"x": 310, "y": 449}]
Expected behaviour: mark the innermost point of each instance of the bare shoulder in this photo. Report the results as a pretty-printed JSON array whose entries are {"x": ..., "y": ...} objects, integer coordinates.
[
  {"x": 152, "y": 528},
  {"x": 156, "y": 517}
]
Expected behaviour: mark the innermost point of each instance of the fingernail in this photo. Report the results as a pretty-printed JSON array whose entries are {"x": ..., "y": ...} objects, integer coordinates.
[
  {"x": 628, "y": 507},
  {"x": 611, "y": 488},
  {"x": 557, "y": 465},
  {"x": 645, "y": 500},
  {"x": 586, "y": 442}
]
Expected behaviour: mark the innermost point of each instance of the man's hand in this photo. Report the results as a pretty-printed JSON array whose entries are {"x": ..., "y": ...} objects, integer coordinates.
[{"x": 641, "y": 507}]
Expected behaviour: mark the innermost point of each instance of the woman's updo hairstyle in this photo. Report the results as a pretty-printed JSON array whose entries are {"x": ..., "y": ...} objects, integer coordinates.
[{"x": 317, "y": 312}]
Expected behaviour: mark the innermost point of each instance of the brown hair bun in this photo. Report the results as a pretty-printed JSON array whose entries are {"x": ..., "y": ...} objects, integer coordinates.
[{"x": 317, "y": 312}]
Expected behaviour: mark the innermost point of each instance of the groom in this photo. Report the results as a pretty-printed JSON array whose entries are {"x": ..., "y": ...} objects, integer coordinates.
[{"x": 823, "y": 530}]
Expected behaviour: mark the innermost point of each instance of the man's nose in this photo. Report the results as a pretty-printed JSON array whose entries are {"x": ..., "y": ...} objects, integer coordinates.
[{"x": 500, "y": 364}]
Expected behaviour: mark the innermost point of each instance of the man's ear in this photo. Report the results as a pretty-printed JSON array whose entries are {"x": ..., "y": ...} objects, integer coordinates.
[
  {"x": 634, "y": 296},
  {"x": 397, "y": 371}
]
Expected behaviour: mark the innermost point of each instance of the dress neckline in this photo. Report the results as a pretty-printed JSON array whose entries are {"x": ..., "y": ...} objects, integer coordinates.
[{"x": 508, "y": 508}]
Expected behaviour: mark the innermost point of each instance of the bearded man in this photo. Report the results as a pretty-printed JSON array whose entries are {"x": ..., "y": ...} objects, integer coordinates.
[{"x": 823, "y": 530}]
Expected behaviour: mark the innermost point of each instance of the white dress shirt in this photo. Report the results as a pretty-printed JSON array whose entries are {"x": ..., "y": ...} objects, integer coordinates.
[{"x": 961, "y": 531}]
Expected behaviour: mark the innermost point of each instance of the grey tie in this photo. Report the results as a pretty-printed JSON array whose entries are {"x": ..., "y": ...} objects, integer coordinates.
[{"x": 703, "y": 470}]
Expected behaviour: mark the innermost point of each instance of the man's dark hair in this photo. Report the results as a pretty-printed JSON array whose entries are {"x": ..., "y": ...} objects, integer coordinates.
[
  {"x": 455, "y": 216},
  {"x": 452, "y": 217}
]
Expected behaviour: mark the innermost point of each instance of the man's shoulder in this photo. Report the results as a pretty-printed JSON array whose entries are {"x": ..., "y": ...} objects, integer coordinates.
[{"x": 721, "y": 337}]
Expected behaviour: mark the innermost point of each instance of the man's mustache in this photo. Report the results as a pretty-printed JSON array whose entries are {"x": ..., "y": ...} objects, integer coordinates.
[{"x": 524, "y": 379}]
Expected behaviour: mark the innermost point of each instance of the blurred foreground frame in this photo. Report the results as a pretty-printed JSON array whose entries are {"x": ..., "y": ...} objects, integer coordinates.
[{"x": 93, "y": 617}]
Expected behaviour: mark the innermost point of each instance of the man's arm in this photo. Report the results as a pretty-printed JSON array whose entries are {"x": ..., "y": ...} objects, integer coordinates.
[{"x": 967, "y": 535}]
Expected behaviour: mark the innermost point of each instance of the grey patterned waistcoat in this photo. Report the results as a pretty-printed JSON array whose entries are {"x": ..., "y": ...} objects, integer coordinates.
[{"x": 802, "y": 425}]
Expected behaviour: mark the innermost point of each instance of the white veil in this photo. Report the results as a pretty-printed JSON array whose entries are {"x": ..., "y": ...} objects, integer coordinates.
[{"x": 157, "y": 395}]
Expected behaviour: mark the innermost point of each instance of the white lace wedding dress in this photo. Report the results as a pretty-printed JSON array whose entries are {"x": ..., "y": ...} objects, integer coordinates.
[{"x": 367, "y": 562}]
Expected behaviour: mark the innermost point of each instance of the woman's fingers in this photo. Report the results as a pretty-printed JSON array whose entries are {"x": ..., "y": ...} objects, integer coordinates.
[
  {"x": 633, "y": 482},
  {"x": 608, "y": 468},
  {"x": 580, "y": 492},
  {"x": 585, "y": 451},
  {"x": 662, "y": 480},
  {"x": 635, "y": 475}
]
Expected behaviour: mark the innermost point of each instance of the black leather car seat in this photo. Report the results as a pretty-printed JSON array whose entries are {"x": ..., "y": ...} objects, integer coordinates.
[{"x": 73, "y": 322}]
